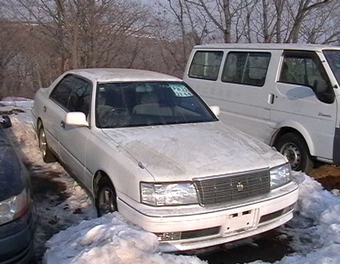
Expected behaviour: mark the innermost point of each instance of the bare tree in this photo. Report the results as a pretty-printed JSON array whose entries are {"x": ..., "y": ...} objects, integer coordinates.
[
  {"x": 299, "y": 10},
  {"x": 178, "y": 27},
  {"x": 321, "y": 25},
  {"x": 82, "y": 32},
  {"x": 39, "y": 39},
  {"x": 262, "y": 20},
  {"x": 219, "y": 12},
  {"x": 10, "y": 48}
]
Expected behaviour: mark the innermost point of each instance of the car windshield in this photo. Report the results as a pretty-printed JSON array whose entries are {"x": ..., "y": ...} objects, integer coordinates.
[
  {"x": 130, "y": 104},
  {"x": 333, "y": 59}
]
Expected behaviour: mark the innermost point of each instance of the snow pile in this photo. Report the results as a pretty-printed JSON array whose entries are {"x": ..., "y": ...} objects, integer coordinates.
[
  {"x": 316, "y": 228},
  {"x": 108, "y": 239}
]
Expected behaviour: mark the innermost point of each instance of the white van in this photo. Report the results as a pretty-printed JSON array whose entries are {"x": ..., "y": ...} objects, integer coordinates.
[{"x": 286, "y": 95}]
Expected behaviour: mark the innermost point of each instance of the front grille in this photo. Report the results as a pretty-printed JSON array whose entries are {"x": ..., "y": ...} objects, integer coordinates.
[{"x": 231, "y": 188}]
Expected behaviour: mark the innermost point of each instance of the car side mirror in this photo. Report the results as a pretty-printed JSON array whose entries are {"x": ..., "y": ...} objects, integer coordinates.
[
  {"x": 215, "y": 109},
  {"x": 5, "y": 121},
  {"x": 76, "y": 119}
]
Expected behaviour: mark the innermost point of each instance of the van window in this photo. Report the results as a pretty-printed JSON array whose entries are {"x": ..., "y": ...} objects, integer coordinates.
[
  {"x": 305, "y": 68},
  {"x": 206, "y": 65},
  {"x": 246, "y": 68},
  {"x": 300, "y": 70},
  {"x": 333, "y": 59}
]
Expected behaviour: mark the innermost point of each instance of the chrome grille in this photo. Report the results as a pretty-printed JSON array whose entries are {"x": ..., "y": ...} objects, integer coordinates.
[{"x": 234, "y": 187}]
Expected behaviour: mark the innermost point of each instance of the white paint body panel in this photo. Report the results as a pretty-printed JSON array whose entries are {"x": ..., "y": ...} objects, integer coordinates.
[{"x": 167, "y": 153}]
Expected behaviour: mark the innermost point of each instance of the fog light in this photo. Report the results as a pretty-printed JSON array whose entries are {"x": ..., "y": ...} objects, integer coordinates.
[
  {"x": 168, "y": 236},
  {"x": 289, "y": 208}
]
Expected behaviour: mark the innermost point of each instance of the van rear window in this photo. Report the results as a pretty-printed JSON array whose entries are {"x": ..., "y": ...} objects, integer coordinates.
[
  {"x": 206, "y": 65},
  {"x": 246, "y": 68}
]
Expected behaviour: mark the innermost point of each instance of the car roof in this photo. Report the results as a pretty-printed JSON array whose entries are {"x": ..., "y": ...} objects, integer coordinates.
[
  {"x": 121, "y": 75},
  {"x": 268, "y": 46}
]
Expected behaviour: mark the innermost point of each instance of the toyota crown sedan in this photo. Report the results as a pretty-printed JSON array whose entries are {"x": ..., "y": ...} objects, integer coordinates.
[
  {"x": 17, "y": 211},
  {"x": 146, "y": 145}
]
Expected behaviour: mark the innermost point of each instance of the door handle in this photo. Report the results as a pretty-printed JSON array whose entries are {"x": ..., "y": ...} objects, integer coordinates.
[
  {"x": 62, "y": 124},
  {"x": 44, "y": 108},
  {"x": 270, "y": 98}
]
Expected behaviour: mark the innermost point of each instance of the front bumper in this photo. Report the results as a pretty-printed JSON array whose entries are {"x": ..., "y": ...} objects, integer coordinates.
[
  {"x": 201, "y": 227},
  {"x": 16, "y": 240}
]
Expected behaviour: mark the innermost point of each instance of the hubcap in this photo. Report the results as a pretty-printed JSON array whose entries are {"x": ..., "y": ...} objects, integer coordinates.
[
  {"x": 42, "y": 142},
  {"x": 292, "y": 153},
  {"x": 107, "y": 201}
]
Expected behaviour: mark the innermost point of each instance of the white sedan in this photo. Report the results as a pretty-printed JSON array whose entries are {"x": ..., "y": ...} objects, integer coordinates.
[{"x": 145, "y": 144}]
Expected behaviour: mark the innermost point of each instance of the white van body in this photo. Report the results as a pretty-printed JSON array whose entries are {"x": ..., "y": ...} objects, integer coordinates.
[{"x": 283, "y": 94}]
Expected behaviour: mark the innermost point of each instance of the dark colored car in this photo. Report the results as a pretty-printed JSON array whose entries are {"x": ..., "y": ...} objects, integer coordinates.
[{"x": 17, "y": 222}]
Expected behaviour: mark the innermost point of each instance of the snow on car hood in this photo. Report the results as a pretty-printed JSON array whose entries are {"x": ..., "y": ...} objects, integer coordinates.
[{"x": 194, "y": 150}]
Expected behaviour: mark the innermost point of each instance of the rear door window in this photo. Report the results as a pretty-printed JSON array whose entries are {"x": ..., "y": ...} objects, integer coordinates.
[
  {"x": 206, "y": 65},
  {"x": 248, "y": 68}
]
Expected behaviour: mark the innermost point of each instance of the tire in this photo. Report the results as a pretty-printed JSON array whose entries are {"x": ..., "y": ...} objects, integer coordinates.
[
  {"x": 295, "y": 149},
  {"x": 106, "y": 198},
  {"x": 47, "y": 155}
]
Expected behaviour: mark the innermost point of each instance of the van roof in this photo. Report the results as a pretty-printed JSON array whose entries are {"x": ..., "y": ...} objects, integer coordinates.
[{"x": 268, "y": 46}]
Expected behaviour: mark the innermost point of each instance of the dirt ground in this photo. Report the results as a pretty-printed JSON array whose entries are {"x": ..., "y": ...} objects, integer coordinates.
[{"x": 327, "y": 175}]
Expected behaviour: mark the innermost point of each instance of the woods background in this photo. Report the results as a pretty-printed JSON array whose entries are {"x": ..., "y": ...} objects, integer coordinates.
[{"x": 40, "y": 39}]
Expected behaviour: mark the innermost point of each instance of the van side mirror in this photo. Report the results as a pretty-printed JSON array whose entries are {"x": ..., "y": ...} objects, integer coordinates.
[
  {"x": 215, "y": 109},
  {"x": 322, "y": 92},
  {"x": 320, "y": 86},
  {"x": 5, "y": 121}
]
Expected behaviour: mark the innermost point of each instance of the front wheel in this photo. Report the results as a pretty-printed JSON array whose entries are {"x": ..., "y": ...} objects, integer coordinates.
[
  {"x": 106, "y": 201},
  {"x": 47, "y": 155},
  {"x": 295, "y": 149}
]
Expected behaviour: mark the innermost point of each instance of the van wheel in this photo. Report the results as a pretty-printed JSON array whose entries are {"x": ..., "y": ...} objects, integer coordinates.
[
  {"x": 47, "y": 155},
  {"x": 296, "y": 151},
  {"x": 106, "y": 201}
]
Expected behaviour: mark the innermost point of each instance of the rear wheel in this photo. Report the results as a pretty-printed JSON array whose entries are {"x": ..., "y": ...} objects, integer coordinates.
[
  {"x": 106, "y": 201},
  {"x": 47, "y": 155},
  {"x": 294, "y": 147}
]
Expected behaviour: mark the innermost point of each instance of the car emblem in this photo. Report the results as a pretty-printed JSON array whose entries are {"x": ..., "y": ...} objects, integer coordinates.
[{"x": 239, "y": 187}]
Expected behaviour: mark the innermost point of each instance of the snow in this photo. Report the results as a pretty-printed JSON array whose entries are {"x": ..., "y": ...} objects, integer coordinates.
[{"x": 314, "y": 230}]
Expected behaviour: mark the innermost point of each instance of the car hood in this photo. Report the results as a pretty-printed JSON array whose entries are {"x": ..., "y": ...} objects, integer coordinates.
[
  {"x": 11, "y": 182},
  {"x": 193, "y": 150}
]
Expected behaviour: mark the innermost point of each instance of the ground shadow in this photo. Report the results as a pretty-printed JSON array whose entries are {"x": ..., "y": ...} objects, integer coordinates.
[{"x": 270, "y": 247}]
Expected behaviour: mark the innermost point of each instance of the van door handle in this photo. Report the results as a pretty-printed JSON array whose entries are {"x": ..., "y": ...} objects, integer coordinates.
[
  {"x": 44, "y": 108},
  {"x": 270, "y": 98}
]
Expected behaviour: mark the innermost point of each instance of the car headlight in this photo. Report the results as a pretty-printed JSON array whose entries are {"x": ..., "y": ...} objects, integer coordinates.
[
  {"x": 280, "y": 175},
  {"x": 162, "y": 194},
  {"x": 13, "y": 208}
]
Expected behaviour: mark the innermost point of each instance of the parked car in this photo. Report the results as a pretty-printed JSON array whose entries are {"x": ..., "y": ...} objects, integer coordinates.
[
  {"x": 17, "y": 221},
  {"x": 285, "y": 95},
  {"x": 145, "y": 144}
]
